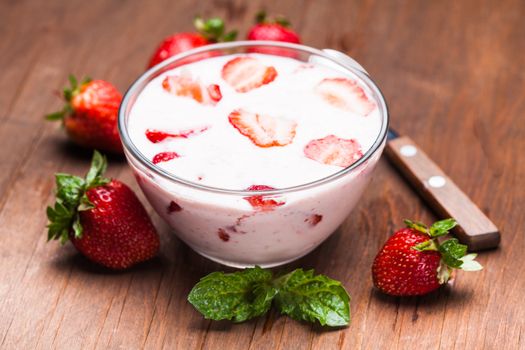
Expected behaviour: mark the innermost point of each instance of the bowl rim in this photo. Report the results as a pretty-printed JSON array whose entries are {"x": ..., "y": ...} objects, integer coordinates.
[{"x": 140, "y": 83}]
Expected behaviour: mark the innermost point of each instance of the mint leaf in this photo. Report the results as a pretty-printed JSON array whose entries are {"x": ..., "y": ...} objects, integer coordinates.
[
  {"x": 441, "y": 228},
  {"x": 451, "y": 252},
  {"x": 236, "y": 296},
  {"x": 300, "y": 294},
  {"x": 308, "y": 297}
]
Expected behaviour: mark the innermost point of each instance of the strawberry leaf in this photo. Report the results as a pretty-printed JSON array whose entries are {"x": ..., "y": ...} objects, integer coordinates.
[
  {"x": 427, "y": 245},
  {"x": 56, "y": 116},
  {"x": 260, "y": 17},
  {"x": 452, "y": 251},
  {"x": 441, "y": 228},
  {"x": 469, "y": 264},
  {"x": 71, "y": 198},
  {"x": 283, "y": 21},
  {"x": 416, "y": 226},
  {"x": 99, "y": 165},
  {"x": 213, "y": 29},
  {"x": 230, "y": 36}
]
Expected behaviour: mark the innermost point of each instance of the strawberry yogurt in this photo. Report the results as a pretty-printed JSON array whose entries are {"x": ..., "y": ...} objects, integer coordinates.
[{"x": 254, "y": 158}]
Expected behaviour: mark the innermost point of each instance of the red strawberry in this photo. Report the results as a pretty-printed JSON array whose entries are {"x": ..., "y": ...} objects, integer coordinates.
[
  {"x": 314, "y": 219},
  {"x": 90, "y": 114},
  {"x": 174, "y": 207},
  {"x": 413, "y": 262},
  {"x": 260, "y": 202},
  {"x": 274, "y": 30},
  {"x": 164, "y": 157},
  {"x": 345, "y": 94},
  {"x": 263, "y": 130},
  {"x": 333, "y": 150},
  {"x": 209, "y": 31},
  {"x": 245, "y": 73},
  {"x": 186, "y": 86},
  {"x": 156, "y": 136},
  {"x": 103, "y": 218}
]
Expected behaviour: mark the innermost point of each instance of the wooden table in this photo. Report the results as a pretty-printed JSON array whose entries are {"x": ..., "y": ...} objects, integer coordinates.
[{"x": 452, "y": 73}]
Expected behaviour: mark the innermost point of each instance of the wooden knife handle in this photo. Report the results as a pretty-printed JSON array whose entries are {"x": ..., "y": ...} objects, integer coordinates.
[{"x": 474, "y": 228}]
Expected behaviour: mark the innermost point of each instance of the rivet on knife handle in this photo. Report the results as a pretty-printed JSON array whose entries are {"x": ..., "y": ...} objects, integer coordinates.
[{"x": 475, "y": 228}]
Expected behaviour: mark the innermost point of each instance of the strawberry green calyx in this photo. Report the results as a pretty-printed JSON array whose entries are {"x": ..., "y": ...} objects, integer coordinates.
[
  {"x": 213, "y": 29},
  {"x": 262, "y": 18},
  {"x": 68, "y": 93},
  {"x": 453, "y": 254},
  {"x": 71, "y": 199}
]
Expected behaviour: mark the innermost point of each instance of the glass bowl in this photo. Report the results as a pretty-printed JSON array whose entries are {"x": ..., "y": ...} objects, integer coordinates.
[{"x": 217, "y": 223}]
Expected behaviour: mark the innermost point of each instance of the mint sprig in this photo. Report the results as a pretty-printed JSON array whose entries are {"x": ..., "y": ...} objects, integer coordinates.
[
  {"x": 71, "y": 199},
  {"x": 249, "y": 293},
  {"x": 453, "y": 254}
]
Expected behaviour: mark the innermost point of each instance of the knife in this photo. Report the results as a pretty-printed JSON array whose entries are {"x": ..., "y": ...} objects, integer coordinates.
[{"x": 474, "y": 228}]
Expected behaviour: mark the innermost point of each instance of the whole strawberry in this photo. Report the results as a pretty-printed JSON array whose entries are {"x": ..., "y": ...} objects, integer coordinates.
[
  {"x": 414, "y": 262},
  {"x": 277, "y": 29},
  {"x": 103, "y": 218},
  {"x": 209, "y": 31},
  {"x": 90, "y": 114}
]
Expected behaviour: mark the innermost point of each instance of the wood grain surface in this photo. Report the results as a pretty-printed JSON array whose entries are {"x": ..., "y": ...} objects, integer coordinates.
[{"x": 452, "y": 73}]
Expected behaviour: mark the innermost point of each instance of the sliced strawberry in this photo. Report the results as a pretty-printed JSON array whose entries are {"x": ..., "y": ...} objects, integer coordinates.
[
  {"x": 223, "y": 235},
  {"x": 156, "y": 136},
  {"x": 164, "y": 157},
  {"x": 259, "y": 202},
  {"x": 174, "y": 207},
  {"x": 185, "y": 85},
  {"x": 263, "y": 130},
  {"x": 333, "y": 150},
  {"x": 214, "y": 91},
  {"x": 346, "y": 94},
  {"x": 246, "y": 73},
  {"x": 314, "y": 219}
]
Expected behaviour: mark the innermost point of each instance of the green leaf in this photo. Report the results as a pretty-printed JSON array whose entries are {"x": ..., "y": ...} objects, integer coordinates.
[
  {"x": 212, "y": 29},
  {"x": 236, "y": 296},
  {"x": 260, "y": 17},
  {"x": 308, "y": 297},
  {"x": 283, "y": 21},
  {"x": 77, "y": 227},
  {"x": 73, "y": 81},
  {"x": 416, "y": 226},
  {"x": 230, "y": 36},
  {"x": 55, "y": 116},
  {"x": 451, "y": 252},
  {"x": 98, "y": 166},
  {"x": 71, "y": 198},
  {"x": 69, "y": 189},
  {"x": 469, "y": 264},
  {"x": 441, "y": 228}
]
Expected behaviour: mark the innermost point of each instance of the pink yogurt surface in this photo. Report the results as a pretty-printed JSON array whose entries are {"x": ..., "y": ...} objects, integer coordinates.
[{"x": 313, "y": 120}]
